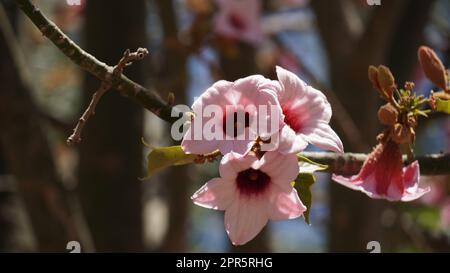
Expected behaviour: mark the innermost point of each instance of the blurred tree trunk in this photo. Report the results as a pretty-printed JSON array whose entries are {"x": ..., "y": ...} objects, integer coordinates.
[
  {"x": 6, "y": 224},
  {"x": 8, "y": 228},
  {"x": 111, "y": 150},
  {"x": 28, "y": 154},
  {"x": 173, "y": 78},
  {"x": 235, "y": 66},
  {"x": 410, "y": 35}
]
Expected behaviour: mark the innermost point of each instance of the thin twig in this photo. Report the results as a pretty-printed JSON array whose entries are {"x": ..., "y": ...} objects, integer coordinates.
[
  {"x": 126, "y": 60},
  {"x": 75, "y": 137},
  {"x": 148, "y": 98}
]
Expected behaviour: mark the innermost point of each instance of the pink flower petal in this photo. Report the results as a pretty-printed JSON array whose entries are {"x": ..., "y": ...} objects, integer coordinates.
[
  {"x": 349, "y": 182},
  {"x": 285, "y": 204},
  {"x": 411, "y": 174},
  {"x": 289, "y": 142},
  {"x": 411, "y": 196},
  {"x": 245, "y": 218},
  {"x": 325, "y": 138},
  {"x": 307, "y": 112},
  {"x": 258, "y": 91},
  {"x": 241, "y": 147},
  {"x": 282, "y": 169},
  {"x": 383, "y": 177},
  {"x": 233, "y": 163},
  {"x": 216, "y": 194},
  {"x": 214, "y": 95},
  {"x": 191, "y": 146},
  {"x": 292, "y": 87},
  {"x": 411, "y": 177}
]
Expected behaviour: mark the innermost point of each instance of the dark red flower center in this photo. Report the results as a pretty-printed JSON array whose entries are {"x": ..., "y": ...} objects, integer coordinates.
[
  {"x": 236, "y": 22},
  {"x": 252, "y": 182},
  {"x": 292, "y": 119},
  {"x": 236, "y": 124}
]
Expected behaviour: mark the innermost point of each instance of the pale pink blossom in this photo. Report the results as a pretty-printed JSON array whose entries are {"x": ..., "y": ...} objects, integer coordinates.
[
  {"x": 383, "y": 176},
  {"x": 240, "y": 103},
  {"x": 252, "y": 191},
  {"x": 307, "y": 114},
  {"x": 240, "y": 20}
]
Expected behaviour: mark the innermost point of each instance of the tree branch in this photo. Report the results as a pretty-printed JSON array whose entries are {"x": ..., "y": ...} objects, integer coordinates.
[
  {"x": 149, "y": 99},
  {"x": 350, "y": 163},
  {"x": 126, "y": 60},
  {"x": 346, "y": 164}
]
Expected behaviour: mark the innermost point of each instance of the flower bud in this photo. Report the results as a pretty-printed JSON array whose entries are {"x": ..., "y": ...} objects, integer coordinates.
[
  {"x": 373, "y": 77},
  {"x": 387, "y": 114},
  {"x": 432, "y": 66},
  {"x": 382, "y": 80},
  {"x": 385, "y": 78}
]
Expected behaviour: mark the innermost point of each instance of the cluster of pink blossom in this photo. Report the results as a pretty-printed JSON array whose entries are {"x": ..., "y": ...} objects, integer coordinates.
[{"x": 255, "y": 185}]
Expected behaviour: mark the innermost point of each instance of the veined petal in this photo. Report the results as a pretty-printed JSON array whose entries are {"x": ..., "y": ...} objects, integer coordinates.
[
  {"x": 292, "y": 87},
  {"x": 245, "y": 218},
  {"x": 325, "y": 138},
  {"x": 285, "y": 204},
  {"x": 289, "y": 142},
  {"x": 233, "y": 163},
  {"x": 282, "y": 169},
  {"x": 216, "y": 194},
  {"x": 307, "y": 112},
  {"x": 349, "y": 182},
  {"x": 214, "y": 95},
  {"x": 411, "y": 180}
]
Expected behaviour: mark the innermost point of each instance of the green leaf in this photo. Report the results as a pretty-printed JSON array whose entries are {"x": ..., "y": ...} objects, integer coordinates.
[
  {"x": 303, "y": 184},
  {"x": 160, "y": 158},
  {"x": 305, "y": 180},
  {"x": 443, "y": 105}
]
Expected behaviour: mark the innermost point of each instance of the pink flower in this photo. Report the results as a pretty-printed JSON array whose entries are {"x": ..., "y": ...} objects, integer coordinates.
[
  {"x": 251, "y": 192},
  {"x": 307, "y": 116},
  {"x": 239, "y": 104},
  {"x": 239, "y": 19},
  {"x": 383, "y": 176}
]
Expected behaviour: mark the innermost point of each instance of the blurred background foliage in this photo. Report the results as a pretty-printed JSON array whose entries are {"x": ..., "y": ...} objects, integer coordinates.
[{"x": 51, "y": 193}]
